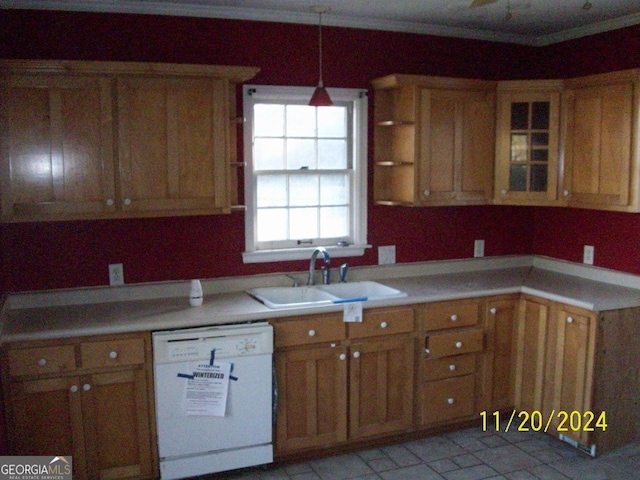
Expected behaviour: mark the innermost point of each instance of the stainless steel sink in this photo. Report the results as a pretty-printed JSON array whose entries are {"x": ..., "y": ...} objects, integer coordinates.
[{"x": 293, "y": 297}]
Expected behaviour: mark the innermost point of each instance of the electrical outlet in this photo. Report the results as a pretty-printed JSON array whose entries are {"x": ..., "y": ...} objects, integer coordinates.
[
  {"x": 588, "y": 254},
  {"x": 386, "y": 255},
  {"x": 478, "y": 248},
  {"x": 116, "y": 274}
]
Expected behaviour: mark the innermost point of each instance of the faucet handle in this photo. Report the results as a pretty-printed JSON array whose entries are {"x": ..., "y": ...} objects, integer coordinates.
[
  {"x": 343, "y": 272},
  {"x": 326, "y": 275},
  {"x": 296, "y": 281}
]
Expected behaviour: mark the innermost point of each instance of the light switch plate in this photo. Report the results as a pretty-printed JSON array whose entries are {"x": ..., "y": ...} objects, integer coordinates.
[
  {"x": 478, "y": 248},
  {"x": 386, "y": 255},
  {"x": 589, "y": 252},
  {"x": 116, "y": 274}
]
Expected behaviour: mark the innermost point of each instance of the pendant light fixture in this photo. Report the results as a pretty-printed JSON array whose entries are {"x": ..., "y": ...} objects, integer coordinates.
[{"x": 320, "y": 96}]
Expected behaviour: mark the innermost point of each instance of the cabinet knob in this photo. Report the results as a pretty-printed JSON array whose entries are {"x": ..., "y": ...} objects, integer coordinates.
[
  {"x": 312, "y": 333},
  {"x": 113, "y": 355},
  {"x": 566, "y": 193},
  {"x": 569, "y": 319},
  {"x": 384, "y": 325},
  {"x": 452, "y": 367},
  {"x": 73, "y": 389},
  {"x": 426, "y": 193},
  {"x": 110, "y": 202},
  {"x": 127, "y": 201},
  {"x": 458, "y": 344},
  {"x": 426, "y": 350},
  {"x": 504, "y": 192},
  {"x": 493, "y": 310},
  {"x": 451, "y": 401},
  {"x": 343, "y": 356},
  {"x": 454, "y": 317},
  {"x": 86, "y": 387},
  {"x": 356, "y": 354},
  {"x": 42, "y": 362}
]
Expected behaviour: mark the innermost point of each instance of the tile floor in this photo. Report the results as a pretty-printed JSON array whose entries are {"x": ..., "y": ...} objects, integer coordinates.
[{"x": 464, "y": 455}]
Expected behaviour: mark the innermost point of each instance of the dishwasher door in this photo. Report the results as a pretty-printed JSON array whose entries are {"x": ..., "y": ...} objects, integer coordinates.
[{"x": 197, "y": 445}]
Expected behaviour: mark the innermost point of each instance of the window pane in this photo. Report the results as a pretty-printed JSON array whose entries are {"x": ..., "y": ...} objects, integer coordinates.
[
  {"x": 268, "y": 120},
  {"x": 271, "y": 224},
  {"x": 301, "y": 121},
  {"x": 303, "y": 190},
  {"x": 540, "y": 115},
  {"x": 334, "y": 222},
  {"x": 519, "y": 116},
  {"x": 518, "y": 178},
  {"x": 301, "y": 154},
  {"x": 303, "y": 223},
  {"x": 334, "y": 190},
  {"x": 332, "y": 154},
  {"x": 268, "y": 153},
  {"x": 271, "y": 191},
  {"x": 538, "y": 178},
  {"x": 540, "y": 155},
  {"x": 519, "y": 145},
  {"x": 332, "y": 122},
  {"x": 540, "y": 139}
]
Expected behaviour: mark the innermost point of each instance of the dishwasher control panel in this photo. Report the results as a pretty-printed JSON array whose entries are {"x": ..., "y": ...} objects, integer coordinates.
[{"x": 198, "y": 344}]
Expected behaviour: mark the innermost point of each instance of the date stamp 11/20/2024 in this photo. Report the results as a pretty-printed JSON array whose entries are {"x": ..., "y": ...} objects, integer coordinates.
[{"x": 537, "y": 421}]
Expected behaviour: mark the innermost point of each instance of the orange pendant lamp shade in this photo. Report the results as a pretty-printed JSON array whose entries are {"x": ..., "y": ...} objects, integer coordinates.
[{"x": 320, "y": 97}]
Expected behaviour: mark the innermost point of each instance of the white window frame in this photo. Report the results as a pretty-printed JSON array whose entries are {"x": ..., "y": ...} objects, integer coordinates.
[{"x": 358, "y": 210}]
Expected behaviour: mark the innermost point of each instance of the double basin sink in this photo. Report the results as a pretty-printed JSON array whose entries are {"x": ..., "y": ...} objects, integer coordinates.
[{"x": 316, "y": 295}]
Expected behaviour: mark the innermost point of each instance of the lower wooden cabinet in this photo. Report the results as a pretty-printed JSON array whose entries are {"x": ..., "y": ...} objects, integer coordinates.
[{"x": 95, "y": 406}]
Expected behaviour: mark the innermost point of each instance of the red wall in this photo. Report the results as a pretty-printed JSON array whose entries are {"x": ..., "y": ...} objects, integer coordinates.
[{"x": 70, "y": 254}]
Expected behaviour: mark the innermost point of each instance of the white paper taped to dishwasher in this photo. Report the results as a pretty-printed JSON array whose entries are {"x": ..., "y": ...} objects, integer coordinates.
[{"x": 206, "y": 391}]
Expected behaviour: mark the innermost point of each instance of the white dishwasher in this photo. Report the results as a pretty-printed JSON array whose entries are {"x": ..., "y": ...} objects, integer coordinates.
[{"x": 199, "y": 444}]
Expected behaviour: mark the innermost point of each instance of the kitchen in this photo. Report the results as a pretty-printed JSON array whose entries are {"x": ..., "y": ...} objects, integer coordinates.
[{"x": 39, "y": 256}]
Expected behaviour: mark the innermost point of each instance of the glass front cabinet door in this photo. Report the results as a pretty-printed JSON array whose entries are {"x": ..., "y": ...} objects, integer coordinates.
[{"x": 527, "y": 141}]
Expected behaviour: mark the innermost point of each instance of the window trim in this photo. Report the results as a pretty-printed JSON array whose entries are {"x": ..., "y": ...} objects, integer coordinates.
[{"x": 359, "y": 195}]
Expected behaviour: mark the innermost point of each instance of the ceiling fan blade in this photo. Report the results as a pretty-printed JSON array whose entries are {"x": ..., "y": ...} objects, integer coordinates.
[{"x": 481, "y": 3}]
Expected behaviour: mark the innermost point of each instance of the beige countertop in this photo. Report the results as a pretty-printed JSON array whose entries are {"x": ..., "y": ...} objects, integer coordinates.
[{"x": 97, "y": 311}]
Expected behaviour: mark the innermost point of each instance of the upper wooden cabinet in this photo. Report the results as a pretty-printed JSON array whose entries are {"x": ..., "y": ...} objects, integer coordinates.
[
  {"x": 84, "y": 140},
  {"x": 527, "y": 142},
  {"x": 433, "y": 140},
  {"x": 601, "y": 146}
]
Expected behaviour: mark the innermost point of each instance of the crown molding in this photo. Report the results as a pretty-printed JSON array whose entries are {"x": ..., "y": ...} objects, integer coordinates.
[{"x": 263, "y": 15}]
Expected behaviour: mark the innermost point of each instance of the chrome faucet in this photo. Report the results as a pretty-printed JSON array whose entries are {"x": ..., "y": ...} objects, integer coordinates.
[{"x": 312, "y": 265}]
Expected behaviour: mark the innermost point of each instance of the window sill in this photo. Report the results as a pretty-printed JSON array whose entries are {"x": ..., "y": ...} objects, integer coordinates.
[{"x": 264, "y": 256}]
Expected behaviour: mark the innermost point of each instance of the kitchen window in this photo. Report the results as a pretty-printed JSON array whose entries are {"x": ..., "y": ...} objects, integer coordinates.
[{"x": 305, "y": 181}]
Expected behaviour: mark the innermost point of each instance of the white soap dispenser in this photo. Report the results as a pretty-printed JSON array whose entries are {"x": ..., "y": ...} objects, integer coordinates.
[{"x": 195, "y": 295}]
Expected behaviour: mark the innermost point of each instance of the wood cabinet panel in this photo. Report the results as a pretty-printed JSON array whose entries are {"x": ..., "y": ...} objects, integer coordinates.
[
  {"x": 308, "y": 330},
  {"x": 448, "y": 399},
  {"x": 112, "y": 353},
  {"x": 41, "y": 360},
  {"x": 454, "y": 343},
  {"x": 456, "y": 366},
  {"x": 453, "y": 314},
  {"x": 384, "y": 321}
]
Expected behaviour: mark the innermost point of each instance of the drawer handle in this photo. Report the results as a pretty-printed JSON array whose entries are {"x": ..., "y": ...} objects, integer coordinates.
[
  {"x": 113, "y": 355},
  {"x": 450, "y": 401},
  {"x": 454, "y": 317},
  {"x": 42, "y": 362},
  {"x": 86, "y": 387},
  {"x": 458, "y": 344},
  {"x": 73, "y": 389},
  {"x": 356, "y": 354},
  {"x": 343, "y": 356},
  {"x": 493, "y": 310},
  {"x": 312, "y": 333},
  {"x": 384, "y": 325},
  {"x": 569, "y": 319},
  {"x": 426, "y": 350},
  {"x": 452, "y": 367}
]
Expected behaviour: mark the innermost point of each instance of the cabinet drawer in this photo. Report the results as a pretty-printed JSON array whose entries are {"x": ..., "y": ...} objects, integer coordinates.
[
  {"x": 315, "y": 329},
  {"x": 451, "y": 314},
  {"x": 386, "y": 321},
  {"x": 454, "y": 343},
  {"x": 112, "y": 353},
  {"x": 36, "y": 361},
  {"x": 448, "y": 399},
  {"x": 449, "y": 367}
]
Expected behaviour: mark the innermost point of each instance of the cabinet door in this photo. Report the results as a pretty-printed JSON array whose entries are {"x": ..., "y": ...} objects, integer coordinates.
[
  {"x": 45, "y": 418},
  {"x": 381, "y": 387},
  {"x": 527, "y": 141},
  {"x": 532, "y": 382},
  {"x": 56, "y": 147},
  {"x": 116, "y": 421},
  {"x": 574, "y": 365},
  {"x": 500, "y": 353},
  {"x": 174, "y": 145},
  {"x": 599, "y": 157},
  {"x": 312, "y": 398},
  {"x": 456, "y": 146}
]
